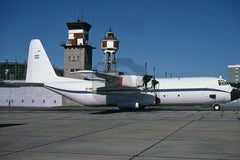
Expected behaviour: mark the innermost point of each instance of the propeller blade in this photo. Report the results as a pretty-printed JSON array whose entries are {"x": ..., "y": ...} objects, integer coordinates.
[{"x": 154, "y": 81}]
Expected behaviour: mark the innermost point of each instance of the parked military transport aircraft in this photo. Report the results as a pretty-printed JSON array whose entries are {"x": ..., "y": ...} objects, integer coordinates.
[{"x": 127, "y": 91}]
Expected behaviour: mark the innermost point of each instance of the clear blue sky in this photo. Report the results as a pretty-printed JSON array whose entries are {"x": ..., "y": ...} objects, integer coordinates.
[{"x": 182, "y": 37}]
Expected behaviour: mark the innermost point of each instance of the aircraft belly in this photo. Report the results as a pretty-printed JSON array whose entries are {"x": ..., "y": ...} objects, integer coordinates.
[{"x": 89, "y": 99}]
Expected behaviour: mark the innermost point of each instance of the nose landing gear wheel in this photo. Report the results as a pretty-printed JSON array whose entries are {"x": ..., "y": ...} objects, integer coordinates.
[{"x": 216, "y": 107}]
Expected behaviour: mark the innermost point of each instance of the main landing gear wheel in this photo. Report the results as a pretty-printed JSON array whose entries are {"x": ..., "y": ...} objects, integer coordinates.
[{"x": 216, "y": 107}]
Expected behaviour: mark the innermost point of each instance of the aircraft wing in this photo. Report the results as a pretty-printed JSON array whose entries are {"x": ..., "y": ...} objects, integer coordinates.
[
  {"x": 94, "y": 75},
  {"x": 88, "y": 75}
]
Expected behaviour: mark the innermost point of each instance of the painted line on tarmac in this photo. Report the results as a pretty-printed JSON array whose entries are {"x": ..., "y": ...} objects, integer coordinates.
[{"x": 134, "y": 156}]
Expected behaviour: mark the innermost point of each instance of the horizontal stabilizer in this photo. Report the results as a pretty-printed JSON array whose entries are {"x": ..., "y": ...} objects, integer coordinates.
[{"x": 19, "y": 84}]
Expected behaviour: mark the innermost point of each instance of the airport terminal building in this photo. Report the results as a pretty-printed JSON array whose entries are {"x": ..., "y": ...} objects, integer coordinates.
[{"x": 28, "y": 95}]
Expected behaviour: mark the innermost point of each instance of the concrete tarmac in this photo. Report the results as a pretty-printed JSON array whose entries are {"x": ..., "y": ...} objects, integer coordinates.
[{"x": 73, "y": 133}]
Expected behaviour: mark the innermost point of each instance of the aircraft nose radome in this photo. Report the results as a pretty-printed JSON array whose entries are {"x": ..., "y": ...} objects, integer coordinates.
[{"x": 235, "y": 94}]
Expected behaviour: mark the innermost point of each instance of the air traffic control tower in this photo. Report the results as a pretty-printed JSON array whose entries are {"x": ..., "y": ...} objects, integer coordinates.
[{"x": 77, "y": 52}]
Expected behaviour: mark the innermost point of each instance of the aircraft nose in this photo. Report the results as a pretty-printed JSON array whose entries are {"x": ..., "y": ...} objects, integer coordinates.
[{"x": 235, "y": 94}]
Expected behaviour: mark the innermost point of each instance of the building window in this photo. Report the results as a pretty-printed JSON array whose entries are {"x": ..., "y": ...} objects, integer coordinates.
[
  {"x": 71, "y": 70},
  {"x": 32, "y": 101},
  {"x": 78, "y": 58},
  {"x": 22, "y": 101},
  {"x": 77, "y": 69},
  {"x": 73, "y": 58},
  {"x": 43, "y": 101},
  {"x": 55, "y": 101},
  {"x": 69, "y": 58}
]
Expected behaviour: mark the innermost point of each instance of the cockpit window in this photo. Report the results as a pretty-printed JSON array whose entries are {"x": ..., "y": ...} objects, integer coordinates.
[{"x": 222, "y": 82}]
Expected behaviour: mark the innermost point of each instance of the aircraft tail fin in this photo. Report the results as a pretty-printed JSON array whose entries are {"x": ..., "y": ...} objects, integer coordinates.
[{"x": 39, "y": 68}]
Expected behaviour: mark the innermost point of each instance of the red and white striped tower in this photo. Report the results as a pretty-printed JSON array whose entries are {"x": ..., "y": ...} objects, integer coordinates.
[{"x": 110, "y": 46}]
